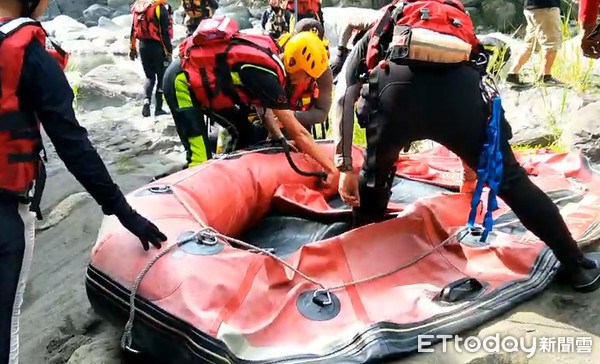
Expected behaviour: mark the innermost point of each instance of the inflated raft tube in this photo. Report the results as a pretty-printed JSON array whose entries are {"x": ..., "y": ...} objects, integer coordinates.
[{"x": 312, "y": 290}]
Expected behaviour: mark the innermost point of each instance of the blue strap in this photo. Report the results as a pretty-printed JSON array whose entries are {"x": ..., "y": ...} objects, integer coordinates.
[{"x": 489, "y": 170}]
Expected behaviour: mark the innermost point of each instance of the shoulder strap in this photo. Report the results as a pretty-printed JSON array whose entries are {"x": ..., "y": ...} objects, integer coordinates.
[
  {"x": 12, "y": 26},
  {"x": 243, "y": 41}
]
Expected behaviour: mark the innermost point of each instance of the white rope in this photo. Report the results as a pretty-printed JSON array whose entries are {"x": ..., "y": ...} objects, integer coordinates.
[{"x": 126, "y": 339}]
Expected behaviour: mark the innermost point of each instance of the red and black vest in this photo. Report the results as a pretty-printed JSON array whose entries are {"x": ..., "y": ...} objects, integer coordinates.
[
  {"x": 215, "y": 54},
  {"x": 304, "y": 95},
  {"x": 146, "y": 23},
  {"x": 20, "y": 139}
]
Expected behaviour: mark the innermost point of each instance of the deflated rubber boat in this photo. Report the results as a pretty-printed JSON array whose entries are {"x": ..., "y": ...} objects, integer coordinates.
[{"x": 261, "y": 265}]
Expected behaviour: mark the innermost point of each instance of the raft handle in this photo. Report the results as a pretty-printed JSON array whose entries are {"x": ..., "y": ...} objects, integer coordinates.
[
  {"x": 207, "y": 239},
  {"x": 160, "y": 189},
  {"x": 318, "y": 299},
  {"x": 286, "y": 150}
]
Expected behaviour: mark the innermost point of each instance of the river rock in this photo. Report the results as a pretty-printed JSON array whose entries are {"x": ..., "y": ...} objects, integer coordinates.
[
  {"x": 64, "y": 28},
  {"x": 95, "y": 12},
  {"x": 241, "y": 15},
  {"x": 110, "y": 85},
  {"x": 75, "y": 8},
  {"x": 118, "y": 3},
  {"x": 103, "y": 351},
  {"x": 582, "y": 131},
  {"x": 537, "y": 115}
]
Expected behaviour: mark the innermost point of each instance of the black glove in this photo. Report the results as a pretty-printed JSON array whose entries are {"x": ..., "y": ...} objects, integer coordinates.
[
  {"x": 139, "y": 226},
  {"x": 133, "y": 54}
]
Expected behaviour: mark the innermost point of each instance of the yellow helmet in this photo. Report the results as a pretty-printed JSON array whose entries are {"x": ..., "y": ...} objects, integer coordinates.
[{"x": 305, "y": 51}]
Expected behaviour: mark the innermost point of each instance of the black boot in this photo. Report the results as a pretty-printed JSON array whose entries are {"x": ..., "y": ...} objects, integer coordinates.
[
  {"x": 158, "y": 98},
  {"x": 586, "y": 277},
  {"x": 146, "y": 108}
]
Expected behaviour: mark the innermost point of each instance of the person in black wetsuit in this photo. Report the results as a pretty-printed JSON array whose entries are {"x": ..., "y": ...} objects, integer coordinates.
[
  {"x": 34, "y": 88},
  {"x": 444, "y": 105},
  {"x": 153, "y": 27}
]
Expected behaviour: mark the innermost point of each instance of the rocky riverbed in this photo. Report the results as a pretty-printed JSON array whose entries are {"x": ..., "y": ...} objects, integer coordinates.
[{"x": 58, "y": 325}]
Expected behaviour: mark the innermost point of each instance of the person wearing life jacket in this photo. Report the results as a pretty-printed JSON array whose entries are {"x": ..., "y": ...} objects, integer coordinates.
[
  {"x": 590, "y": 34},
  {"x": 36, "y": 92},
  {"x": 306, "y": 9},
  {"x": 276, "y": 18},
  {"x": 311, "y": 101},
  {"x": 224, "y": 73},
  {"x": 153, "y": 28},
  {"x": 416, "y": 91},
  {"x": 196, "y": 11},
  {"x": 497, "y": 51}
]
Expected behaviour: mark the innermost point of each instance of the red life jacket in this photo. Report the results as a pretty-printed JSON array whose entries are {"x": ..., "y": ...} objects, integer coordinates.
[
  {"x": 305, "y": 6},
  {"x": 215, "y": 53},
  {"x": 304, "y": 95},
  {"x": 146, "y": 25},
  {"x": 20, "y": 139},
  {"x": 435, "y": 31}
]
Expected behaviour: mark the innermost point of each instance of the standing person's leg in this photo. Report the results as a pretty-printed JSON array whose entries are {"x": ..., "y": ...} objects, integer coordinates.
[
  {"x": 16, "y": 252},
  {"x": 459, "y": 122},
  {"x": 550, "y": 40},
  {"x": 189, "y": 121},
  {"x": 389, "y": 129},
  {"x": 161, "y": 66},
  {"x": 148, "y": 58},
  {"x": 530, "y": 40}
]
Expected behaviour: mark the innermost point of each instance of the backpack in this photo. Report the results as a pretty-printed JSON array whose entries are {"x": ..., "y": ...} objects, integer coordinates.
[
  {"x": 212, "y": 55},
  {"x": 423, "y": 31},
  {"x": 144, "y": 24}
]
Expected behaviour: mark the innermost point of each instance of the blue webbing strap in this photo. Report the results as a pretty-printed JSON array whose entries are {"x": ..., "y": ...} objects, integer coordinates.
[{"x": 489, "y": 170}]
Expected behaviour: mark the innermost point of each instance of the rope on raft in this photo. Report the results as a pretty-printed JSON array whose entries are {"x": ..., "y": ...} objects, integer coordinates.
[{"x": 126, "y": 339}]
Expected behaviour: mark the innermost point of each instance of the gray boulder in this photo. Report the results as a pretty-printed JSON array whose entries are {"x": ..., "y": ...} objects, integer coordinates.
[
  {"x": 110, "y": 85},
  {"x": 75, "y": 8},
  {"x": 582, "y": 131},
  {"x": 537, "y": 115},
  {"x": 241, "y": 15},
  {"x": 95, "y": 12},
  {"x": 118, "y": 3}
]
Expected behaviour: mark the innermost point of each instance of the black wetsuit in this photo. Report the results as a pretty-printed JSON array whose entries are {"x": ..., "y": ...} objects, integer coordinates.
[
  {"x": 189, "y": 114},
  {"x": 154, "y": 54},
  {"x": 43, "y": 89},
  {"x": 444, "y": 105}
]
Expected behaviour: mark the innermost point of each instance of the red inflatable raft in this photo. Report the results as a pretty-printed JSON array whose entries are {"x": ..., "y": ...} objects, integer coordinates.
[{"x": 296, "y": 285}]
